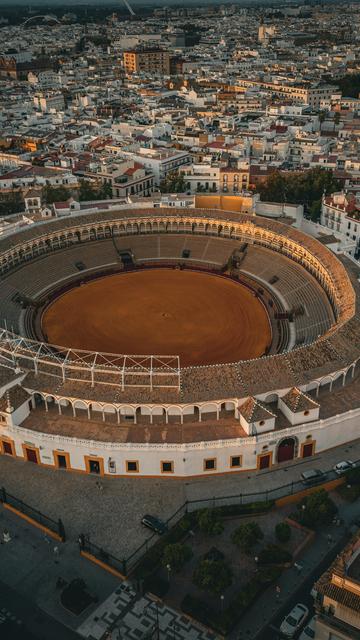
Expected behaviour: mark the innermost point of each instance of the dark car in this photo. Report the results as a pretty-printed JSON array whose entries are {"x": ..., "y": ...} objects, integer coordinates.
[
  {"x": 155, "y": 524},
  {"x": 313, "y": 476}
]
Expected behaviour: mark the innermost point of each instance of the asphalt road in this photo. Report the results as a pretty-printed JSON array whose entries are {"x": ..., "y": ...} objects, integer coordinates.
[
  {"x": 302, "y": 594},
  {"x": 21, "y": 619}
]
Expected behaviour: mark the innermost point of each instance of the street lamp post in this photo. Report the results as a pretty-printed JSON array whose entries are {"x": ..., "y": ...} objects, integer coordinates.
[
  {"x": 222, "y": 602},
  {"x": 156, "y": 625},
  {"x": 168, "y": 567}
]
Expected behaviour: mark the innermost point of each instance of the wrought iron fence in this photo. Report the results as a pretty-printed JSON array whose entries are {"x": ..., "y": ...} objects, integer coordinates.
[{"x": 56, "y": 526}]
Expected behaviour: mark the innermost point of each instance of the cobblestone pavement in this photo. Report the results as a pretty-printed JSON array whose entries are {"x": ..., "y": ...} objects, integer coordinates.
[
  {"x": 106, "y": 515},
  {"x": 131, "y": 618},
  {"x": 109, "y": 515}
]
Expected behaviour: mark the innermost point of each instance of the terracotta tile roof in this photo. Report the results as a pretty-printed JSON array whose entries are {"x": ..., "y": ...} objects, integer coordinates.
[
  {"x": 254, "y": 411},
  {"x": 297, "y": 401},
  {"x": 15, "y": 397}
]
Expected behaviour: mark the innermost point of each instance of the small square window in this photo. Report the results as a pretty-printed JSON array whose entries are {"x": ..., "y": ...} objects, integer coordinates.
[
  {"x": 209, "y": 464},
  {"x": 167, "y": 467},
  {"x": 132, "y": 466},
  {"x": 235, "y": 461}
]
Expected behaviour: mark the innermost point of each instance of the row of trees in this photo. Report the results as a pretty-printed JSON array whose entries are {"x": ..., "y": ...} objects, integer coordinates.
[
  {"x": 87, "y": 191},
  {"x": 213, "y": 574},
  {"x": 305, "y": 188}
]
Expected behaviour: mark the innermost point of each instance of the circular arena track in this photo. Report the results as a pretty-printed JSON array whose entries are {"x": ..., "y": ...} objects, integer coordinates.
[
  {"x": 305, "y": 290},
  {"x": 203, "y": 318}
]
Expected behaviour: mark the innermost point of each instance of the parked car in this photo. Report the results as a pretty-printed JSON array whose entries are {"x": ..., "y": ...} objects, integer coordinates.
[
  {"x": 309, "y": 630},
  {"x": 313, "y": 476},
  {"x": 294, "y": 620},
  {"x": 343, "y": 466},
  {"x": 155, "y": 524}
]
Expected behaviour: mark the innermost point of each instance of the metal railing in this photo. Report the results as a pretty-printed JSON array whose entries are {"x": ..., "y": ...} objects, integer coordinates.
[{"x": 56, "y": 526}]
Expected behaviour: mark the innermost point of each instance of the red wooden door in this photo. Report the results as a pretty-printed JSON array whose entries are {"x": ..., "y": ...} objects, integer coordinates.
[
  {"x": 308, "y": 450},
  {"x": 31, "y": 455},
  {"x": 265, "y": 462},
  {"x": 286, "y": 450},
  {"x": 7, "y": 448}
]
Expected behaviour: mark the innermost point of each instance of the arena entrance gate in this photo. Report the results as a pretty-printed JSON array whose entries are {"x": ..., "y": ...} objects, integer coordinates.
[{"x": 286, "y": 450}]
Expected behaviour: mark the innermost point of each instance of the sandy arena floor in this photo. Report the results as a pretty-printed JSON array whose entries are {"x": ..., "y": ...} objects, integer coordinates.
[{"x": 203, "y": 318}]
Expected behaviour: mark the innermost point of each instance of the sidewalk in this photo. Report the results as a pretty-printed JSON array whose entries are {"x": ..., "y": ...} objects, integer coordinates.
[
  {"x": 30, "y": 570},
  {"x": 267, "y": 607}
]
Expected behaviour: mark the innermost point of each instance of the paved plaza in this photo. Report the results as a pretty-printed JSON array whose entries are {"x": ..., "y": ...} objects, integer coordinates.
[
  {"x": 111, "y": 516},
  {"x": 32, "y": 563},
  {"x": 130, "y": 617}
]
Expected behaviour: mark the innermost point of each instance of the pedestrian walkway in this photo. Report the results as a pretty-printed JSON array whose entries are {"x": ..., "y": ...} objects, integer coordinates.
[
  {"x": 129, "y": 617},
  {"x": 267, "y": 606},
  {"x": 33, "y": 565}
]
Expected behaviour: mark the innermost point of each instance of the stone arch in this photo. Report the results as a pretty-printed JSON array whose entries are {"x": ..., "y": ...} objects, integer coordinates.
[
  {"x": 128, "y": 413},
  {"x": 228, "y": 408},
  {"x": 109, "y": 413},
  {"x": 79, "y": 406},
  {"x": 158, "y": 414},
  {"x": 209, "y": 411},
  {"x": 271, "y": 398},
  {"x": 175, "y": 415},
  {"x": 287, "y": 449}
]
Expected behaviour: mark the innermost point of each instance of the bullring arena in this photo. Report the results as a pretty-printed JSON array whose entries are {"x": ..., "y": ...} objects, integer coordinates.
[{"x": 192, "y": 342}]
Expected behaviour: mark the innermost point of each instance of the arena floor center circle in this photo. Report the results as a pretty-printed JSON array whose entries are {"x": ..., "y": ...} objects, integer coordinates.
[{"x": 201, "y": 317}]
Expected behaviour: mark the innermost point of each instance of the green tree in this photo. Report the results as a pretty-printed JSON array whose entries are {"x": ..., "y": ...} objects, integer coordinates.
[
  {"x": 349, "y": 85},
  {"x": 173, "y": 183},
  {"x": 306, "y": 187},
  {"x": 209, "y": 522},
  {"x": 316, "y": 509},
  {"x": 105, "y": 192},
  {"x": 87, "y": 191},
  {"x": 54, "y": 194},
  {"x": 176, "y": 555},
  {"x": 246, "y": 536},
  {"x": 11, "y": 204},
  {"x": 283, "y": 531},
  {"x": 214, "y": 576}
]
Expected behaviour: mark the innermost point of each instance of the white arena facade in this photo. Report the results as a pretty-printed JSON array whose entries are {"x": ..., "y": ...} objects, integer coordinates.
[{"x": 149, "y": 415}]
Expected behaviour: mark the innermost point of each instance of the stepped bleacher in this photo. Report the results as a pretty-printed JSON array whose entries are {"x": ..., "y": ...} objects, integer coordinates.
[
  {"x": 296, "y": 287},
  {"x": 292, "y": 284}
]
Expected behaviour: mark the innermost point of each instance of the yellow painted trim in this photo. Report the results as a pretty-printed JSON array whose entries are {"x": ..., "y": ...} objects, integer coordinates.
[
  {"x": 29, "y": 447},
  {"x": 171, "y": 462},
  {"x": 208, "y": 460},
  {"x": 236, "y": 466},
  {"x": 9, "y": 441},
  {"x": 132, "y": 462},
  {"x": 307, "y": 442},
  {"x": 103, "y": 565},
  {"x": 66, "y": 455},
  {"x": 329, "y": 486},
  {"x": 263, "y": 455},
  {"x": 33, "y": 522},
  {"x": 89, "y": 459}
]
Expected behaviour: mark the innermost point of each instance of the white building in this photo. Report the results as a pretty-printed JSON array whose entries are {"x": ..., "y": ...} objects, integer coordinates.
[{"x": 341, "y": 213}]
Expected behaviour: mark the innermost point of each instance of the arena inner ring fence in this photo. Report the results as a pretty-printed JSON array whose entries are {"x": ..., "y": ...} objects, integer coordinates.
[
  {"x": 155, "y": 371},
  {"x": 150, "y": 371}
]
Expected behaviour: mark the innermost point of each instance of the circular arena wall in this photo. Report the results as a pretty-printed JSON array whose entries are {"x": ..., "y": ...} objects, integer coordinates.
[{"x": 132, "y": 390}]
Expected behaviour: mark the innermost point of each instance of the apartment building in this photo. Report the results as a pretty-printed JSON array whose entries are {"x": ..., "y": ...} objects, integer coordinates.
[
  {"x": 126, "y": 178},
  {"x": 311, "y": 95},
  {"x": 341, "y": 213},
  {"x": 338, "y": 597},
  {"x": 160, "y": 161},
  {"x": 155, "y": 61}
]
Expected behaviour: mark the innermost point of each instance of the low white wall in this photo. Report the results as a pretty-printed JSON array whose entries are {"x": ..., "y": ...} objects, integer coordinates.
[{"x": 188, "y": 458}]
